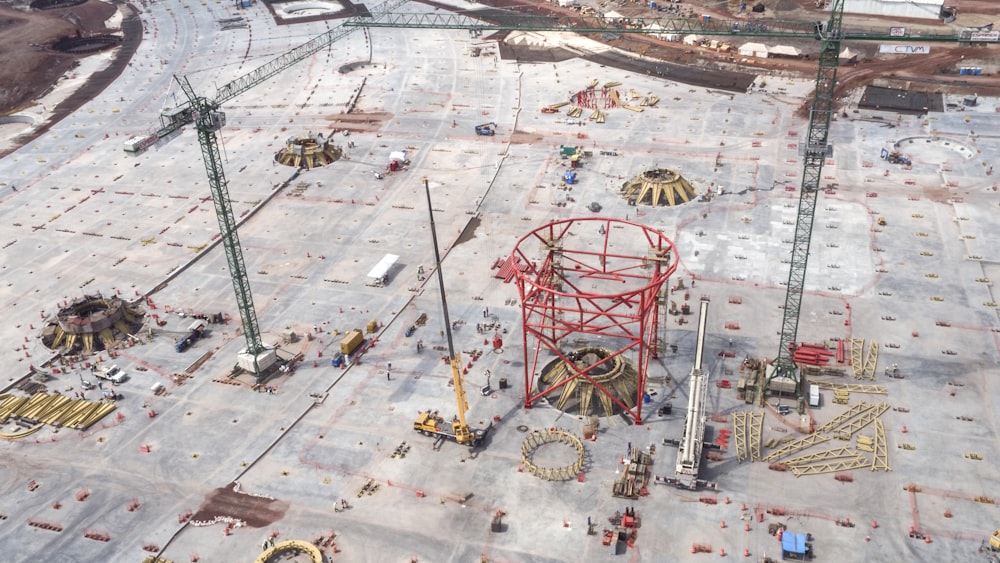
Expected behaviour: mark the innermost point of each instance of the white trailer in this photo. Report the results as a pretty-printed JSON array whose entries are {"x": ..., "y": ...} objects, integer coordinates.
[{"x": 380, "y": 273}]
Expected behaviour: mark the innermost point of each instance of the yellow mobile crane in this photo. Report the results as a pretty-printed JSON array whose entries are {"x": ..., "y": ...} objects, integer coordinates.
[
  {"x": 992, "y": 547},
  {"x": 430, "y": 423}
]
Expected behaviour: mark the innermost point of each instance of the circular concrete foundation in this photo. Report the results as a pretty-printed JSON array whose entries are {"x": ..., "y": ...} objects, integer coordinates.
[{"x": 934, "y": 150}]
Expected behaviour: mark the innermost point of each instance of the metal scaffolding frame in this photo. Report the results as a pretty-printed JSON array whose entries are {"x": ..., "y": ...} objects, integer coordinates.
[{"x": 556, "y": 309}]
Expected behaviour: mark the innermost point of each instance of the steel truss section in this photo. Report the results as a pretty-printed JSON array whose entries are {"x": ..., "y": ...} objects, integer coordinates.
[
  {"x": 869, "y": 415},
  {"x": 755, "y": 429},
  {"x": 848, "y": 464},
  {"x": 857, "y": 357},
  {"x": 825, "y": 455},
  {"x": 853, "y": 387},
  {"x": 880, "y": 461},
  {"x": 507, "y": 20},
  {"x": 871, "y": 358},
  {"x": 740, "y": 435},
  {"x": 843, "y": 417},
  {"x": 559, "y": 305},
  {"x": 794, "y": 446}
]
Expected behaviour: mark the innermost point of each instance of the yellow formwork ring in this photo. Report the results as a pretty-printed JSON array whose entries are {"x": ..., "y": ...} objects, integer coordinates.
[
  {"x": 537, "y": 439},
  {"x": 290, "y": 546}
]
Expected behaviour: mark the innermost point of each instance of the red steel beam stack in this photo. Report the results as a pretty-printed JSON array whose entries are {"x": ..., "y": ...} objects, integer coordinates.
[{"x": 812, "y": 354}]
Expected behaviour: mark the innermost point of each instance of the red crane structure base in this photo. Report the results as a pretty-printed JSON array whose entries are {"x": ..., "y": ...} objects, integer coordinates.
[{"x": 591, "y": 299}]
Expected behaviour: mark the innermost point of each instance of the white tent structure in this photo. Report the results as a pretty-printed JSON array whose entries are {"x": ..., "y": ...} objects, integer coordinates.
[
  {"x": 612, "y": 15},
  {"x": 658, "y": 31},
  {"x": 848, "y": 56},
  {"x": 758, "y": 50},
  {"x": 784, "y": 51},
  {"x": 693, "y": 39}
]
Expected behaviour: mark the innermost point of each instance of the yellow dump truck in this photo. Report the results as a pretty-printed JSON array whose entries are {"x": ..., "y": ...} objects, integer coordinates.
[{"x": 351, "y": 341}]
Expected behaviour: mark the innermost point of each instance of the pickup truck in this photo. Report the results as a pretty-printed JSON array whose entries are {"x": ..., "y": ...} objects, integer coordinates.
[{"x": 113, "y": 374}]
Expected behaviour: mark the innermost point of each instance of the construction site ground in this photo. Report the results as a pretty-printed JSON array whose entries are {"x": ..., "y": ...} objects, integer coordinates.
[{"x": 79, "y": 216}]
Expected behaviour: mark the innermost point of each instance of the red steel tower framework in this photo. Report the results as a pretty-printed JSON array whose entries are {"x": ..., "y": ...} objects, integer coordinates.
[{"x": 597, "y": 277}]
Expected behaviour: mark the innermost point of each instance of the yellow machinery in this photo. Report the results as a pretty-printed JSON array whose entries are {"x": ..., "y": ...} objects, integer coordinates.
[
  {"x": 882, "y": 221},
  {"x": 431, "y": 423},
  {"x": 991, "y": 547}
]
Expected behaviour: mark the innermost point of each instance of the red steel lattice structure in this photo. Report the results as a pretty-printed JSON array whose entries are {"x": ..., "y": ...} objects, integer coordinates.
[{"x": 606, "y": 286}]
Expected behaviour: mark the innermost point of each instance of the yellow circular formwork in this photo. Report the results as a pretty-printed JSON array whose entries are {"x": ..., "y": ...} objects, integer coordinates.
[
  {"x": 658, "y": 187},
  {"x": 290, "y": 547},
  {"x": 539, "y": 438}
]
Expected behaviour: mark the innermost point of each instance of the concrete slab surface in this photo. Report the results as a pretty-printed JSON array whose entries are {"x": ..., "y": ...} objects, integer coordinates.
[{"x": 78, "y": 216}]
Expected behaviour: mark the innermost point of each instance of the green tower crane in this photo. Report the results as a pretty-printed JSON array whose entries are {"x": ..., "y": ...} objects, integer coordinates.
[
  {"x": 817, "y": 149},
  {"x": 208, "y": 118}
]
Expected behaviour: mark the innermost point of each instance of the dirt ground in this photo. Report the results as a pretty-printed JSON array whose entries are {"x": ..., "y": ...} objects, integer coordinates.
[
  {"x": 255, "y": 511},
  {"x": 29, "y": 65}
]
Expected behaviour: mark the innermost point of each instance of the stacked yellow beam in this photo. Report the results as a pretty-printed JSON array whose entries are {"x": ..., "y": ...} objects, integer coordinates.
[{"x": 57, "y": 410}]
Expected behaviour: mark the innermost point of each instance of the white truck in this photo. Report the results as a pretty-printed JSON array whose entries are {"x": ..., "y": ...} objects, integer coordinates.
[{"x": 114, "y": 374}]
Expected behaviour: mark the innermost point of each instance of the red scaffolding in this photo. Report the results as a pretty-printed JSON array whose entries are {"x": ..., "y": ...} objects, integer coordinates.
[{"x": 598, "y": 277}]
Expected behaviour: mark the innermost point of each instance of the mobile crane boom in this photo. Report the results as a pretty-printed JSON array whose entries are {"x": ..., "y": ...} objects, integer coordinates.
[{"x": 429, "y": 422}]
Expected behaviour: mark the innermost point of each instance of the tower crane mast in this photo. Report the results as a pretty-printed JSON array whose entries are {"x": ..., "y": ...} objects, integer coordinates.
[{"x": 816, "y": 153}]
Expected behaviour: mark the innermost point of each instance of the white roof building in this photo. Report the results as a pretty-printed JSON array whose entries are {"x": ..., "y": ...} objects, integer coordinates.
[
  {"x": 758, "y": 50},
  {"x": 784, "y": 51},
  {"x": 926, "y": 9}
]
